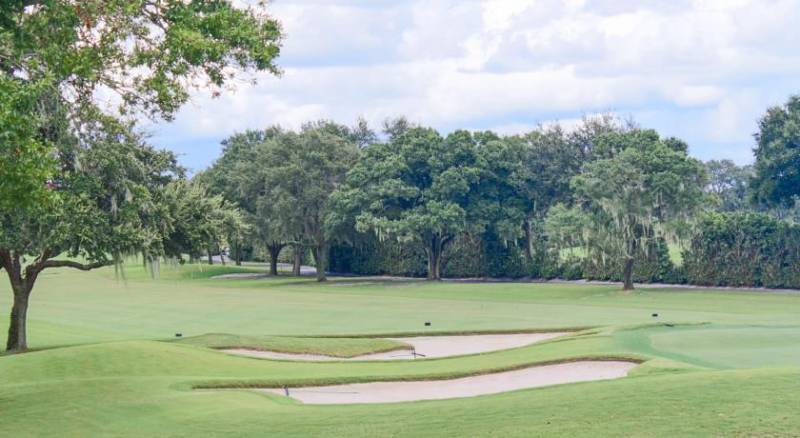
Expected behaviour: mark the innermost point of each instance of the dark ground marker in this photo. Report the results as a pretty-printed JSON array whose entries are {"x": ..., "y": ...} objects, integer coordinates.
[
  {"x": 178, "y": 335},
  {"x": 427, "y": 323}
]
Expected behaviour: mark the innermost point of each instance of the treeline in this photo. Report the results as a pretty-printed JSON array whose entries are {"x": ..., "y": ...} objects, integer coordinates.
[{"x": 604, "y": 200}]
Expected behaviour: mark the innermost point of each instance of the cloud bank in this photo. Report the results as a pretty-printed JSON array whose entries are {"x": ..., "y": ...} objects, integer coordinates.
[{"x": 700, "y": 70}]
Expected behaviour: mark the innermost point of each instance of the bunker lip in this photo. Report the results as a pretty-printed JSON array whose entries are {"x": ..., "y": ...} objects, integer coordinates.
[
  {"x": 491, "y": 383},
  {"x": 420, "y": 347}
]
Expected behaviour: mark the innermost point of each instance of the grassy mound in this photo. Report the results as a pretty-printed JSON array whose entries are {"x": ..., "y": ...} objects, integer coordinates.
[{"x": 336, "y": 347}]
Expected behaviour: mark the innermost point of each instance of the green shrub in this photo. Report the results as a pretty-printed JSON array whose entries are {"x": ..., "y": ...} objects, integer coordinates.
[{"x": 744, "y": 249}]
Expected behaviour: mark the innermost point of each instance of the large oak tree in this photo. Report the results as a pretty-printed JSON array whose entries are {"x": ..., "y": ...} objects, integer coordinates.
[
  {"x": 296, "y": 174},
  {"x": 646, "y": 185},
  {"x": 72, "y": 177},
  {"x": 415, "y": 188}
]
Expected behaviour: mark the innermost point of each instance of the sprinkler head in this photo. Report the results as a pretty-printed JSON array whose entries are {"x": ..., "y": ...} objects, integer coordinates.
[
  {"x": 655, "y": 315},
  {"x": 427, "y": 323},
  {"x": 178, "y": 335}
]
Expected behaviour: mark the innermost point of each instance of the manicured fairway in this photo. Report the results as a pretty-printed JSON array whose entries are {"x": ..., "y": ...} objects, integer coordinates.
[{"x": 716, "y": 363}]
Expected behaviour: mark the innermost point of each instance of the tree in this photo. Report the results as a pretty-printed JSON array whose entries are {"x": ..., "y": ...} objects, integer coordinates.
[
  {"x": 235, "y": 230},
  {"x": 549, "y": 161},
  {"x": 777, "y": 166},
  {"x": 644, "y": 187},
  {"x": 362, "y": 134},
  {"x": 414, "y": 188},
  {"x": 26, "y": 162},
  {"x": 497, "y": 201},
  {"x": 238, "y": 176},
  {"x": 201, "y": 223},
  {"x": 551, "y": 157},
  {"x": 78, "y": 171},
  {"x": 729, "y": 184},
  {"x": 145, "y": 52},
  {"x": 299, "y": 172},
  {"x": 248, "y": 180},
  {"x": 101, "y": 209}
]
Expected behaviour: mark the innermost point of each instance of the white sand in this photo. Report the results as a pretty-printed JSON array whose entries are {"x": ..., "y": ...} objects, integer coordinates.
[
  {"x": 390, "y": 392},
  {"x": 423, "y": 346}
]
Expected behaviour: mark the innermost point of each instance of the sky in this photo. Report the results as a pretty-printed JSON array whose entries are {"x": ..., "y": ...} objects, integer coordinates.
[{"x": 700, "y": 70}]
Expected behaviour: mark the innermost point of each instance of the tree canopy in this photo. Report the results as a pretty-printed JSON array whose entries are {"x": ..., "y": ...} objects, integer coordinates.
[
  {"x": 645, "y": 185},
  {"x": 299, "y": 175},
  {"x": 75, "y": 179},
  {"x": 777, "y": 167},
  {"x": 103, "y": 205},
  {"x": 57, "y": 55},
  {"x": 729, "y": 184},
  {"x": 416, "y": 187}
]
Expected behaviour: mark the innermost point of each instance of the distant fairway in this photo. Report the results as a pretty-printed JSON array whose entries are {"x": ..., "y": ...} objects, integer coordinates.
[{"x": 727, "y": 364}]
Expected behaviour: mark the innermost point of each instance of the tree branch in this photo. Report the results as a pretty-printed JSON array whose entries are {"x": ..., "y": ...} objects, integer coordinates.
[
  {"x": 75, "y": 265},
  {"x": 447, "y": 240}
]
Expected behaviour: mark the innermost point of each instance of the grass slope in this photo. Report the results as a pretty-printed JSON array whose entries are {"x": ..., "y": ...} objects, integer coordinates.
[
  {"x": 732, "y": 369},
  {"x": 337, "y": 347}
]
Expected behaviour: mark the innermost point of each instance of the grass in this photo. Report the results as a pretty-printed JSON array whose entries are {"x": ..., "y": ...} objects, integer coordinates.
[
  {"x": 718, "y": 363},
  {"x": 337, "y": 347},
  {"x": 674, "y": 251}
]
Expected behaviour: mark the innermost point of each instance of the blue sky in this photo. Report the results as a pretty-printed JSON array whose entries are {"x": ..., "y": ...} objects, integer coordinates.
[{"x": 703, "y": 70}]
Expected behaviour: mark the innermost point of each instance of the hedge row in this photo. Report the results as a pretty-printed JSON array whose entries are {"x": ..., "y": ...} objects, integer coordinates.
[
  {"x": 744, "y": 249},
  {"x": 487, "y": 256},
  {"x": 727, "y": 249}
]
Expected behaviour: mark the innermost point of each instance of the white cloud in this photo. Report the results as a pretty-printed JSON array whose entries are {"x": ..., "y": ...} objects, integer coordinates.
[{"x": 707, "y": 69}]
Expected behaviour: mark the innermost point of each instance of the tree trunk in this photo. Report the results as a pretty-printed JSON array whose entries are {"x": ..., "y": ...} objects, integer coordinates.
[
  {"x": 210, "y": 258},
  {"x": 274, "y": 252},
  {"x": 435, "y": 259},
  {"x": 627, "y": 274},
  {"x": 321, "y": 258},
  {"x": 21, "y": 287},
  {"x": 237, "y": 253},
  {"x": 17, "y": 329},
  {"x": 298, "y": 260},
  {"x": 528, "y": 240},
  {"x": 221, "y": 255}
]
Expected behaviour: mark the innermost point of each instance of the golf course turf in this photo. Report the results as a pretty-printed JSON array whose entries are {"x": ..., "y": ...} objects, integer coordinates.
[{"x": 105, "y": 359}]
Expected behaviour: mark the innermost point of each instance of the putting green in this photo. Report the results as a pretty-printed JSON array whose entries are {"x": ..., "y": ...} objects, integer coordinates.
[
  {"x": 727, "y": 364},
  {"x": 734, "y": 347}
]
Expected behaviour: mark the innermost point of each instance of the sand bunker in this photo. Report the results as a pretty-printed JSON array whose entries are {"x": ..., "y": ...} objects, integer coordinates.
[
  {"x": 423, "y": 347},
  {"x": 390, "y": 392}
]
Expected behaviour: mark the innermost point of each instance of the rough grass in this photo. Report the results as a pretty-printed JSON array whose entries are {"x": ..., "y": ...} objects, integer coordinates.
[{"x": 732, "y": 368}]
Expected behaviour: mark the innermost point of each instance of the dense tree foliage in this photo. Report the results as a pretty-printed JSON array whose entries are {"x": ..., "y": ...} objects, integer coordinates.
[
  {"x": 728, "y": 184},
  {"x": 744, "y": 249},
  {"x": 239, "y": 175},
  {"x": 283, "y": 180},
  {"x": 549, "y": 160},
  {"x": 777, "y": 168},
  {"x": 416, "y": 188},
  {"x": 202, "y": 224},
  {"x": 103, "y": 205},
  {"x": 604, "y": 200},
  {"x": 146, "y": 53},
  {"x": 645, "y": 186},
  {"x": 74, "y": 180},
  {"x": 297, "y": 174}
]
